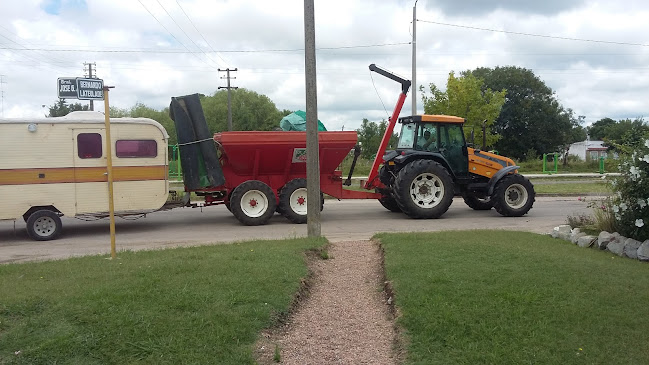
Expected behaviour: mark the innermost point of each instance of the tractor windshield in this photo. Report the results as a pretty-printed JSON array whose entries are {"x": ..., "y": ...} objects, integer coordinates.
[
  {"x": 418, "y": 136},
  {"x": 407, "y": 136}
]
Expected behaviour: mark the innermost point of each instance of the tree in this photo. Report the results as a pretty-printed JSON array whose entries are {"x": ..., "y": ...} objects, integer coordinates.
[
  {"x": 61, "y": 108},
  {"x": 619, "y": 136},
  {"x": 598, "y": 130},
  {"x": 370, "y": 135},
  {"x": 466, "y": 97},
  {"x": 250, "y": 111},
  {"x": 577, "y": 133},
  {"x": 531, "y": 118}
]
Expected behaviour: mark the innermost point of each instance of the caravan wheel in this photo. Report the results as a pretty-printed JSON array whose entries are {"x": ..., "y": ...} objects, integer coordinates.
[{"x": 44, "y": 225}]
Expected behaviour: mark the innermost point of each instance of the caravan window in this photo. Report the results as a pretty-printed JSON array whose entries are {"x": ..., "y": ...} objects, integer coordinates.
[
  {"x": 89, "y": 145},
  {"x": 136, "y": 148}
]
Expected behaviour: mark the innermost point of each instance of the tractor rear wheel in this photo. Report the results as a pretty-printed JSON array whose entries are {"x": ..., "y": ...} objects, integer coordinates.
[
  {"x": 513, "y": 196},
  {"x": 389, "y": 203},
  {"x": 477, "y": 203},
  {"x": 253, "y": 203},
  {"x": 423, "y": 189}
]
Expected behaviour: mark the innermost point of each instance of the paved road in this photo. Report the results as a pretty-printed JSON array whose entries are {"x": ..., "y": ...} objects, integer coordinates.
[{"x": 341, "y": 220}]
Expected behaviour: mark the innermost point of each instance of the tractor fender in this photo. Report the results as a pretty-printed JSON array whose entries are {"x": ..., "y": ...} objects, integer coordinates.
[
  {"x": 499, "y": 175},
  {"x": 403, "y": 160}
]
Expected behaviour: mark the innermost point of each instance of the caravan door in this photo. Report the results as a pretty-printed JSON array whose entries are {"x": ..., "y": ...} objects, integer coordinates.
[{"x": 90, "y": 173}]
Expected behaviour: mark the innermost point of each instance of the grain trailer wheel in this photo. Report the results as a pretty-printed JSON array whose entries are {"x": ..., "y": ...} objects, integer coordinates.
[
  {"x": 476, "y": 203},
  {"x": 293, "y": 201},
  {"x": 253, "y": 203},
  {"x": 44, "y": 225},
  {"x": 423, "y": 189},
  {"x": 513, "y": 196}
]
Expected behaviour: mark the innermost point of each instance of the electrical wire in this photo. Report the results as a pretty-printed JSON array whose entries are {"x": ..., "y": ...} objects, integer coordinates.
[
  {"x": 174, "y": 37},
  {"x": 188, "y": 51},
  {"x": 377, "y": 94},
  {"x": 201, "y": 34},
  {"x": 535, "y": 35},
  {"x": 185, "y": 33}
]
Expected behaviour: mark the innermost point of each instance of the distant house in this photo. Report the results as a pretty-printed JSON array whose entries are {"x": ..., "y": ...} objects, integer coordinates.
[{"x": 588, "y": 150}]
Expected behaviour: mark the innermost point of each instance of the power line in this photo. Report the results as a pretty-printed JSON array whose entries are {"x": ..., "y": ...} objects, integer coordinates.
[
  {"x": 185, "y": 33},
  {"x": 199, "y": 33},
  {"x": 535, "y": 35},
  {"x": 171, "y": 34},
  {"x": 194, "y": 52}
]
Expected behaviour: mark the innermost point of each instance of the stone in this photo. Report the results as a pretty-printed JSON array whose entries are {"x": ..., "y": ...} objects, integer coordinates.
[
  {"x": 643, "y": 251},
  {"x": 616, "y": 246},
  {"x": 631, "y": 248},
  {"x": 575, "y": 234},
  {"x": 604, "y": 238},
  {"x": 561, "y": 231},
  {"x": 586, "y": 241}
]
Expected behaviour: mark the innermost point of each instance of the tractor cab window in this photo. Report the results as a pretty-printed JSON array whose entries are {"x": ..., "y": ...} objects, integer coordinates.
[
  {"x": 426, "y": 137},
  {"x": 452, "y": 147},
  {"x": 407, "y": 136}
]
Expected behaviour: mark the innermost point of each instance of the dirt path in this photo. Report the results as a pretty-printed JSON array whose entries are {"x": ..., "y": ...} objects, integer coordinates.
[{"x": 345, "y": 319}]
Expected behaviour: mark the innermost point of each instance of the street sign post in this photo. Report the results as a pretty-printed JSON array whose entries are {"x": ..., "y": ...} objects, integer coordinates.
[
  {"x": 80, "y": 88},
  {"x": 67, "y": 87},
  {"x": 90, "y": 89}
]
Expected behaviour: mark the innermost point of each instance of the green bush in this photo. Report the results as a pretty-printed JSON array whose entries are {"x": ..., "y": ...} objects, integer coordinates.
[{"x": 631, "y": 201}]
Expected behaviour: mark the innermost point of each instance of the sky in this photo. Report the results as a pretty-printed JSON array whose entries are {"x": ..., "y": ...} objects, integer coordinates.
[{"x": 593, "y": 54}]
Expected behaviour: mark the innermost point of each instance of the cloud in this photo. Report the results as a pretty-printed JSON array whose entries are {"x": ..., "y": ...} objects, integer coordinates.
[
  {"x": 152, "y": 50},
  {"x": 480, "y": 7}
]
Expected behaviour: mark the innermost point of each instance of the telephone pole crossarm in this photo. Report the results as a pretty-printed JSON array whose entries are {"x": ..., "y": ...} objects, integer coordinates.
[{"x": 227, "y": 71}]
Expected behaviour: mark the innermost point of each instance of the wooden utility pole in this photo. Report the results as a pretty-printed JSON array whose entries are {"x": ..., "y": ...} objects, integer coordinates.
[
  {"x": 90, "y": 76},
  {"x": 312, "y": 145},
  {"x": 227, "y": 70}
]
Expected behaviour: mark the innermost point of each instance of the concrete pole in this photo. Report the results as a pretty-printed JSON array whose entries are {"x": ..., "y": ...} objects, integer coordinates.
[
  {"x": 414, "y": 59},
  {"x": 312, "y": 144}
]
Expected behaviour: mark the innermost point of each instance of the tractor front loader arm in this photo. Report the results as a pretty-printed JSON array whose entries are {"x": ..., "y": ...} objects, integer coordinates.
[{"x": 405, "y": 86}]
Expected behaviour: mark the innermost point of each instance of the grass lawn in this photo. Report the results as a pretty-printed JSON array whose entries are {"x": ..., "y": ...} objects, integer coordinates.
[
  {"x": 571, "y": 187},
  {"x": 496, "y": 297},
  {"x": 202, "y": 305}
]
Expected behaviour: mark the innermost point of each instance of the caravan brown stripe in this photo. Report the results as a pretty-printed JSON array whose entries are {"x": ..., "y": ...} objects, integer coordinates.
[{"x": 80, "y": 174}]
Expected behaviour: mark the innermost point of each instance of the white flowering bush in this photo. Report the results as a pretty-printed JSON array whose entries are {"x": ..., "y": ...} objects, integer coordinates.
[{"x": 631, "y": 202}]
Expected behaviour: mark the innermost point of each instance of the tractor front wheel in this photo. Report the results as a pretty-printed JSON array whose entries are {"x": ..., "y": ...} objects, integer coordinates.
[
  {"x": 476, "y": 203},
  {"x": 423, "y": 189},
  {"x": 513, "y": 196},
  {"x": 253, "y": 203}
]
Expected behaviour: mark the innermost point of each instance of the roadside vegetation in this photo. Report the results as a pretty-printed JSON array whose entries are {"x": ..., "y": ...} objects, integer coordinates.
[
  {"x": 464, "y": 297},
  {"x": 497, "y": 297},
  {"x": 200, "y": 305}
]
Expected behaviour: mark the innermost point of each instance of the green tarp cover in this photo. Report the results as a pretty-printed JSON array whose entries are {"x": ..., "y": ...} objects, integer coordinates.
[{"x": 296, "y": 121}]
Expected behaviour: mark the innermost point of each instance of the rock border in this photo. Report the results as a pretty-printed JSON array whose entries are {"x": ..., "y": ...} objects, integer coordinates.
[{"x": 612, "y": 242}]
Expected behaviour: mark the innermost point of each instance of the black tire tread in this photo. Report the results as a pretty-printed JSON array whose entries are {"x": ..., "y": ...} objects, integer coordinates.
[
  {"x": 235, "y": 202},
  {"x": 402, "y": 187},
  {"x": 498, "y": 196},
  {"x": 43, "y": 213}
]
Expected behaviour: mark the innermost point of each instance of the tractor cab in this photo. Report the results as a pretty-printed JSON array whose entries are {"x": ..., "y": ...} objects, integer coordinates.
[{"x": 435, "y": 134}]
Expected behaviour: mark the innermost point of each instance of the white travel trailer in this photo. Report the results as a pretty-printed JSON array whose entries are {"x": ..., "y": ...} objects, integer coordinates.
[{"x": 52, "y": 167}]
